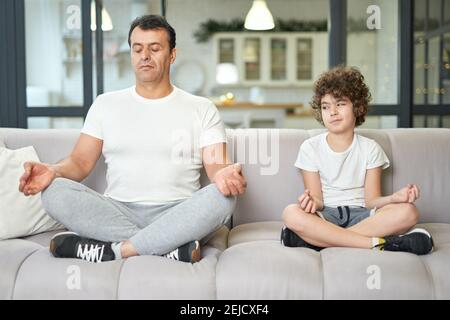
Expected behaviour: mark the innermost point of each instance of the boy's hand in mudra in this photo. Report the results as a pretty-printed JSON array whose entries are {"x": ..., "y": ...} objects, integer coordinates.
[
  {"x": 307, "y": 203},
  {"x": 408, "y": 194}
]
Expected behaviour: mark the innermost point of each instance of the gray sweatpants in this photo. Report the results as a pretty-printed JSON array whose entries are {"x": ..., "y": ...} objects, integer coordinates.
[{"x": 152, "y": 229}]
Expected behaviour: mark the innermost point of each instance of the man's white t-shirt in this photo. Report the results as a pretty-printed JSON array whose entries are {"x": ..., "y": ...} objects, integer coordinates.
[
  {"x": 152, "y": 146},
  {"x": 342, "y": 174}
]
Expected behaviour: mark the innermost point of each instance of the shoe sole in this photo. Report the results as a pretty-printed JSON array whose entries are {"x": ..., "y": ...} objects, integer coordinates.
[
  {"x": 196, "y": 254},
  {"x": 421, "y": 230},
  {"x": 53, "y": 242}
]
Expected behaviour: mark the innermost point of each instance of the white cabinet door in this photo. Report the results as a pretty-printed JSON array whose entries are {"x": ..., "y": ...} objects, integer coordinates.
[{"x": 274, "y": 58}]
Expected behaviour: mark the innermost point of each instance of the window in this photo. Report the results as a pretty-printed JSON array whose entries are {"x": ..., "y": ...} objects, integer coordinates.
[
  {"x": 432, "y": 63},
  {"x": 375, "y": 51},
  {"x": 53, "y": 62}
]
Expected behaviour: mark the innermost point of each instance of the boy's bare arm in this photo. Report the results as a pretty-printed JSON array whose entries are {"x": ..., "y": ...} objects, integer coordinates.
[
  {"x": 372, "y": 189},
  {"x": 311, "y": 181}
]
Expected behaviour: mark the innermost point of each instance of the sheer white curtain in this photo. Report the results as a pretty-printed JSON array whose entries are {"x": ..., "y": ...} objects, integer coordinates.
[{"x": 44, "y": 48}]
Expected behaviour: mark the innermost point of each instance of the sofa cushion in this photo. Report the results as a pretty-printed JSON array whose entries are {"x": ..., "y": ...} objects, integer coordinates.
[
  {"x": 255, "y": 231},
  {"x": 27, "y": 267},
  {"x": 351, "y": 273},
  {"x": 66, "y": 278},
  {"x": 255, "y": 252},
  {"x": 266, "y": 270},
  {"x": 29, "y": 271},
  {"x": 20, "y": 215},
  {"x": 153, "y": 277},
  {"x": 13, "y": 253}
]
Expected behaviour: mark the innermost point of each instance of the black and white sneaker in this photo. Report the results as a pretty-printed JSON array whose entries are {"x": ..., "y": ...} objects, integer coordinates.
[
  {"x": 71, "y": 245},
  {"x": 189, "y": 252},
  {"x": 290, "y": 239},
  {"x": 417, "y": 241}
]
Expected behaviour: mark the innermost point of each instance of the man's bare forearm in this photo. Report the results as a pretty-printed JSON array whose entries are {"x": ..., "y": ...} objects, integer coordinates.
[
  {"x": 70, "y": 169},
  {"x": 214, "y": 168}
]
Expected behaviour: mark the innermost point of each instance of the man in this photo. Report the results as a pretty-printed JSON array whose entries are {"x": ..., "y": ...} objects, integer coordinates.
[{"x": 153, "y": 204}]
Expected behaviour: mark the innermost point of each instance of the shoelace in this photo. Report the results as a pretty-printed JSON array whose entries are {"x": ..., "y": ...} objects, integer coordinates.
[
  {"x": 92, "y": 254},
  {"x": 391, "y": 244},
  {"x": 380, "y": 246},
  {"x": 172, "y": 255}
]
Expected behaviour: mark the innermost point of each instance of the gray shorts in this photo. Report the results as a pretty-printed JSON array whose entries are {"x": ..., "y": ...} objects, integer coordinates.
[{"x": 345, "y": 216}]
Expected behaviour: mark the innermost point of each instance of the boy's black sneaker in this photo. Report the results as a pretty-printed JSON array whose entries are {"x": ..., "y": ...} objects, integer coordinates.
[
  {"x": 189, "y": 252},
  {"x": 71, "y": 245},
  {"x": 290, "y": 239},
  {"x": 417, "y": 241}
]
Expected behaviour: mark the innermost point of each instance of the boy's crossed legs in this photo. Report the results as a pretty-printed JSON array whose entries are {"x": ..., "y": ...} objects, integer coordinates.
[{"x": 386, "y": 225}]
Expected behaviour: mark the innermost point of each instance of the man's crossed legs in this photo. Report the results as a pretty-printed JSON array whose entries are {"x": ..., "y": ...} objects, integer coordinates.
[{"x": 170, "y": 229}]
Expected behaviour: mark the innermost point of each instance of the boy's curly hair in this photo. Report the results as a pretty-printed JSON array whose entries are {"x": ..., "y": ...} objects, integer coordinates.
[{"x": 342, "y": 82}]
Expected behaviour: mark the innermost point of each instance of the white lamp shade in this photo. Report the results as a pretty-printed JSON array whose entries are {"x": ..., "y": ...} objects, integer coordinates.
[
  {"x": 259, "y": 17},
  {"x": 226, "y": 73},
  {"x": 106, "y": 19}
]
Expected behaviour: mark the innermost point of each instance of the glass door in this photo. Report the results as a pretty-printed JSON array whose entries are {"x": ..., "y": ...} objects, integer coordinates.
[
  {"x": 69, "y": 59},
  {"x": 54, "y": 63}
]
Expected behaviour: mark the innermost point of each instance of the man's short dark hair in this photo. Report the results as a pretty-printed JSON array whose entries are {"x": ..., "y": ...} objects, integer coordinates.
[{"x": 151, "y": 22}]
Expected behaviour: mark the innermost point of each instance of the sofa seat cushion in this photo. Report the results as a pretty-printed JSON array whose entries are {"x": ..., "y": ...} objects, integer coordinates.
[
  {"x": 13, "y": 253},
  {"x": 266, "y": 270},
  {"x": 29, "y": 271},
  {"x": 271, "y": 230},
  {"x": 263, "y": 269},
  {"x": 255, "y": 231}
]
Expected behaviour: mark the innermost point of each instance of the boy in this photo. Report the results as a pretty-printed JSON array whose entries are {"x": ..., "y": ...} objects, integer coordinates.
[{"x": 342, "y": 204}]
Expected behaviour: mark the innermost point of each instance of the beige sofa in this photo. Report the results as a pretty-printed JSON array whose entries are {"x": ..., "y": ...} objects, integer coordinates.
[{"x": 248, "y": 261}]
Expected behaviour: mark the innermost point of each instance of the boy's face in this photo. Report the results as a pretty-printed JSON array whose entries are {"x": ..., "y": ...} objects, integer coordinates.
[{"x": 337, "y": 114}]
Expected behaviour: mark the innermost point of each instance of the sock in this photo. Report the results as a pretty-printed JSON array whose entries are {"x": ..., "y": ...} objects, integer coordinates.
[
  {"x": 116, "y": 247},
  {"x": 376, "y": 243}
]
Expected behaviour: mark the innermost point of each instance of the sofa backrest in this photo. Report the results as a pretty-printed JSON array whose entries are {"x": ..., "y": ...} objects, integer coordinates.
[
  {"x": 53, "y": 145},
  {"x": 267, "y": 156}
]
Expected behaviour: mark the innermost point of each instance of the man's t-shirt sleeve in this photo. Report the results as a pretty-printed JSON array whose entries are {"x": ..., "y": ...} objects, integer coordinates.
[
  {"x": 213, "y": 130},
  {"x": 93, "y": 123},
  {"x": 306, "y": 158},
  {"x": 377, "y": 157}
]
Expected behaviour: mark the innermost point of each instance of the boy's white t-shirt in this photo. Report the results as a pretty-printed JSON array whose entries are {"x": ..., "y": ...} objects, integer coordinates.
[
  {"x": 342, "y": 174},
  {"x": 152, "y": 146}
]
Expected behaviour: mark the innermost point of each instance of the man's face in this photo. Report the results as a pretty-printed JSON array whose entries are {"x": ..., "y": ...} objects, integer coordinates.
[
  {"x": 151, "y": 56},
  {"x": 337, "y": 114}
]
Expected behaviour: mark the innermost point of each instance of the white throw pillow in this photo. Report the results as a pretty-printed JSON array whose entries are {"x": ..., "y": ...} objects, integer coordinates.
[{"x": 20, "y": 215}]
